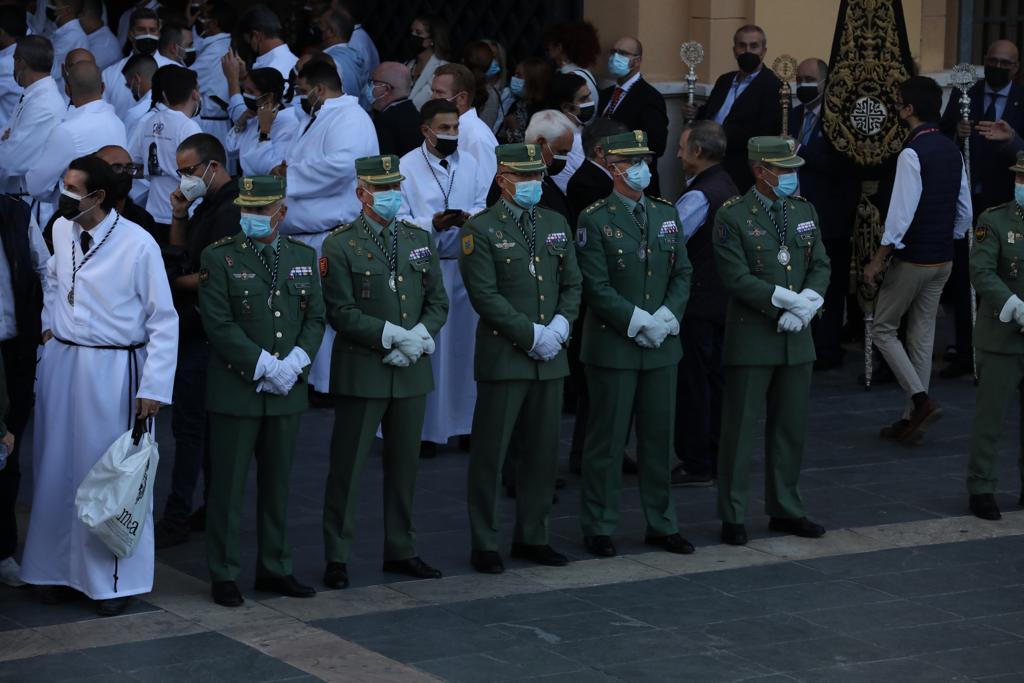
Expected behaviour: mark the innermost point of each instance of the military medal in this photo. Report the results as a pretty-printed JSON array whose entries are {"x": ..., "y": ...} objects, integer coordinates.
[
  {"x": 641, "y": 252},
  {"x": 531, "y": 239},
  {"x": 75, "y": 267},
  {"x": 392, "y": 254},
  {"x": 391, "y": 282},
  {"x": 532, "y": 268},
  {"x": 273, "y": 273},
  {"x": 783, "y": 255}
]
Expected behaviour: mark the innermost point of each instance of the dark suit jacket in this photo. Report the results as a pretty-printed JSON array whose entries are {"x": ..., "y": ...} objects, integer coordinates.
[
  {"x": 829, "y": 180},
  {"x": 991, "y": 182},
  {"x": 398, "y": 128},
  {"x": 588, "y": 184},
  {"x": 755, "y": 112},
  {"x": 642, "y": 108}
]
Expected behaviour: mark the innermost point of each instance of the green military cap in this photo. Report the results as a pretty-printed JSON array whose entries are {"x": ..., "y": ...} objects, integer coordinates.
[
  {"x": 631, "y": 144},
  {"x": 260, "y": 190},
  {"x": 521, "y": 156},
  {"x": 379, "y": 170},
  {"x": 774, "y": 150},
  {"x": 1019, "y": 166}
]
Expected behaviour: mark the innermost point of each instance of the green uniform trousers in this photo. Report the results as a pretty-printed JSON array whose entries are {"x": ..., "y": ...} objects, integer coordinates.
[
  {"x": 615, "y": 397},
  {"x": 537, "y": 405},
  {"x": 1000, "y": 376},
  {"x": 355, "y": 428},
  {"x": 233, "y": 440},
  {"x": 748, "y": 388}
]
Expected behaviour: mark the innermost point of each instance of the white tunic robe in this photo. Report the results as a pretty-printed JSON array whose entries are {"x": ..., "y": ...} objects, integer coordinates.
[
  {"x": 450, "y": 406},
  {"x": 83, "y": 397}
]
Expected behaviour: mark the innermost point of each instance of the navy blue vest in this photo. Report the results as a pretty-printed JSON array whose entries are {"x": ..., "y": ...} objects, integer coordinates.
[
  {"x": 708, "y": 297},
  {"x": 929, "y": 239}
]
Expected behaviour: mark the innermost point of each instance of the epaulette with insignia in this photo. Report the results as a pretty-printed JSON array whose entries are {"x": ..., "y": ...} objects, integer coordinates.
[
  {"x": 662, "y": 200},
  {"x": 796, "y": 196},
  {"x": 731, "y": 201},
  {"x": 222, "y": 241},
  {"x": 300, "y": 243},
  {"x": 341, "y": 228},
  {"x": 596, "y": 205},
  {"x": 410, "y": 224}
]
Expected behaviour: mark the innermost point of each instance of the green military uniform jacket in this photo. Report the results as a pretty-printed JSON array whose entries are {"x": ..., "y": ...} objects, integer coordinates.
[
  {"x": 494, "y": 265},
  {"x": 359, "y": 301},
  {"x": 615, "y": 280},
  {"x": 234, "y": 286},
  {"x": 746, "y": 254},
  {"x": 997, "y": 260}
]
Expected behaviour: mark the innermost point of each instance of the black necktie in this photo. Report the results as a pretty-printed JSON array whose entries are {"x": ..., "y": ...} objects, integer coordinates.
[
  {"x": 86, "y": 242},
  {"x": 444, "y": 164},
  {"x": 990, "y": 113}
]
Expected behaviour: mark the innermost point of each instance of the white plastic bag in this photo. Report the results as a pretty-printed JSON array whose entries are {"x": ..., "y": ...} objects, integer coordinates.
[{"x": 115, "y": 498}]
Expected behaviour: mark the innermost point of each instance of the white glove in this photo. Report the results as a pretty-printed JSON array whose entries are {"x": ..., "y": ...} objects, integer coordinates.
[
  {"x": 560, "y": 326},
  {"x": 1013, "y": 310},
  {"x": 428, "y": 342},
  {"x": 643, "y": 341},
  {"x": 297, "y": 360},
  {"x": 639, "y": 320},
  {"x": 409, "y": 343},
  {"x": 799, "y": 305},
  {"x": 282, "y": 377},
  {"x": 267, "y": 367},
  {"x": 666, "y": 316},
  {"x": 654, "y": 332},
  {"x": 398, "y": 359},
  {"x": 546, "y": 344},
  {"x": 789, "y": 322}
]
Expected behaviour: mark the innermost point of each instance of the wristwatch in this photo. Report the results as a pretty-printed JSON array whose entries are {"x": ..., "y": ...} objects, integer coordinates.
[{"x": 264, "y": 137}]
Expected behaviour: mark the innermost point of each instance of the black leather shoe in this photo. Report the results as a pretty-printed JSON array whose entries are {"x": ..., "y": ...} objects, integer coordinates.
[
  {"x": 629, "y": 465},
  {"x": 983, "y": 505},
  {"x": 734, "y": 534},
  {"x": 956, "y": 369},
  {"x": 541, "y": 554},
  {"x": 601, "y": 546},
  {"x": 336, "y": 575},
  {"x": 226, "y": 593},
  {"x": 486, "y": 562},
  {"x": 284, "y": 585},
  {"x": 428, "y": 450},
  {"x": 111, "y": 607},
  {"x": 414, "y": 567},
  {"x": 800, "y": 526},
  {"x": 197, "y": 520},
  {"x": 674, "y": 543},
  {"x": 55, "y": 595},
  {"x": 168, "y": 533}
]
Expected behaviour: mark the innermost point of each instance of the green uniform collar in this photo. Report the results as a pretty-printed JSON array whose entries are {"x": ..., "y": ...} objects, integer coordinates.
[
  {"x": 374, "y": 225},
  {"x": 275, "y": 244},
  {"x": 772, "y": 203},
  {"x": 626, "y": 201},
  {"x": 514, "y": 209}
]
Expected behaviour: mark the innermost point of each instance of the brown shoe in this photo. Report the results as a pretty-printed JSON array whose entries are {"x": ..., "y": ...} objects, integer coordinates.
[
  {"x": 895, "y": 431},
  {"x": 923, "y": 415}
]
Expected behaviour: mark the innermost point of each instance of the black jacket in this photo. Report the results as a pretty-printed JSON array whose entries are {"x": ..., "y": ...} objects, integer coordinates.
[
  {"x": 642, "y": 108},
  {"x": 27, "y": 290},
  {"x": 991, "y": 182},
  {"x": 588, "y": 184},
  {"x": 755, "y": 112},
  {"x": 708, "y": 296},
  {"x": 398, "y": 128},
  {"x": 829, "y": 180}
]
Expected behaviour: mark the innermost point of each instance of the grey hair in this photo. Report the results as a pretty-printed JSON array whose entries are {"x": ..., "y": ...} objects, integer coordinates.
[
  {"x": 709, "y": 137},
  {"x": 548, "y": 124}
]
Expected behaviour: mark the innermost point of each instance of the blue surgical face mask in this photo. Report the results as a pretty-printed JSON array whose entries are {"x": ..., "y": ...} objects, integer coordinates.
[
  {"x": 788, "y": 184},
  {"x": 527, "y": 193},
  {"x": 638, "y": 176},
  {"x": 256, "y": 225},
  {"x": 1018, "y": 193},
  {"x": 516, "y": 86},
  {"x": 618, "y": 65},
  {"x": 386, "y": 204},
  {"x": 493, "y": 69}
]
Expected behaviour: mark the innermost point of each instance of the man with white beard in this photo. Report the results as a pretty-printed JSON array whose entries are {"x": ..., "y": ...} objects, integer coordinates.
[{"x": 109, "y": 354}]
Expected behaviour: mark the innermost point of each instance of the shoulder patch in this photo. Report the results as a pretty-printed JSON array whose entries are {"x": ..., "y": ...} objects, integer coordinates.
[
  {"x": 204, "y": 275},
  {"x": 721, "y": 232},
  {"x": 596, "y": 205},
  {"x": 980, "y": 233},
  {"x": 323, "y": 266},
  {"x": 581, "y": 237},
  {"x": 468, "y": 245}
]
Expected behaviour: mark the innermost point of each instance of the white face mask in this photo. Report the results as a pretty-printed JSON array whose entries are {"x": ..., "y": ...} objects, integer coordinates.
[{"x": 194, "y": 187}]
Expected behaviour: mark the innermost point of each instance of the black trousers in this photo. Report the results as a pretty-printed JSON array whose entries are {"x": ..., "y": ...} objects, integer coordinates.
[
  {"x": 19, "y": 358},
  {"x": 828, "y": 329},
  {"x": 699, "y": 396}
]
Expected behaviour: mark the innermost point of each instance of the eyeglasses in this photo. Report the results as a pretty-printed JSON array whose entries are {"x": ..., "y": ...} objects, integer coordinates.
[
  {"x": 381, "y": 84},
  {"x": 191, "y": 170},
  {"x": 613, "y": 51},
  {"x": 134, "y": 170},
  {"x": 1001, "y": 63}
]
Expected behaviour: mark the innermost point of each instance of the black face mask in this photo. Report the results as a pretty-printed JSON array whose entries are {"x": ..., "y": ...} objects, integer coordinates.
[
  {"x": 806, "y": 92},
  {"x": 446, "y": 145},
  {"x": 68, "y": 207},
  {"x": 251, "y": 103},
  {"x": 316, "y": 34},
  {"x": 145, "y": 45},
  {"x": 122, "y": 186},
  {"x": 997, "y": 77},
  {"x": 748, "y": 62},
  {"x": 413, "y": 45},
  {"x": 51, "y": 14},
  {"x": 190, "y": 56},
  {"x": 586, "y": 112},
  {"x": 556, "y": 166},
  {"x": 306, "y": 105}
]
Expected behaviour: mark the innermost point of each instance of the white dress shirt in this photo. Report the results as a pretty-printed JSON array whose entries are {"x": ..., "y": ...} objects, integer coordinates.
[
  {"x": 906, "y": 193},
  {"x": 37, "y": 113},
  {"x": 212, "y": 83},
  {"x": 363, "y": 43},
  {"x": 572, "y": 163},
  {"x": 693, "y": 210},
  {"x": 608, "y": 108},
  {"x": 39, "y": 255},
  {"x": 477, "y": 140},
  {"x": 115, "y": 88},
  {"x": 155, "y": 146},
  {"x": 10, "y": 91},
  {"x": 104, "y": 47},
  {"x": 739, "y": 84},
  {"x": 321, "y": 167},
  {"x": 65, "y": 39},
  {"x": 420, "y": 92},
  {"x": 280, "y": 58},
  {"x": 257, "y": 158},
  {"x": 83, "y": 131}
]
